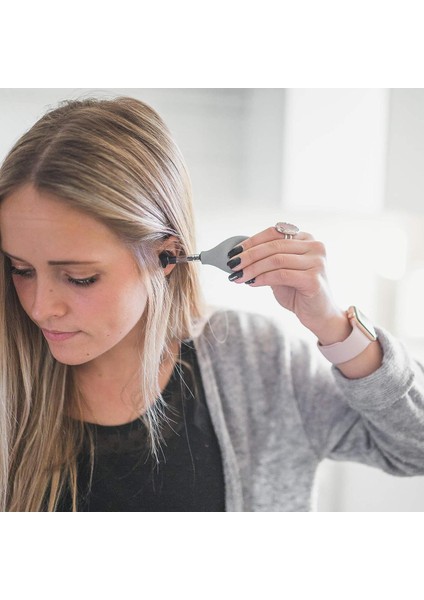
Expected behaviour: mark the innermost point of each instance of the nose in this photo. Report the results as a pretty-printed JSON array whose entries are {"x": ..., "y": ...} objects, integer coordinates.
[{"x": 47, "y": 302}]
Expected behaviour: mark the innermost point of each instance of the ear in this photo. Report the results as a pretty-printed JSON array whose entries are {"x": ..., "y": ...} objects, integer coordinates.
[
  {"x": 167, "y": 251},
  {"x": 166, "y": 258}
]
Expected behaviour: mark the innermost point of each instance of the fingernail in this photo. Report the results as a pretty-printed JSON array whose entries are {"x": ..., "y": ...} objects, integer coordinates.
[
  {"x": 235, "y": 251},
  {"x": 236, "y": 275},
  {"x": 234, "y": 262},
  {"x": 250, "y": 281}
]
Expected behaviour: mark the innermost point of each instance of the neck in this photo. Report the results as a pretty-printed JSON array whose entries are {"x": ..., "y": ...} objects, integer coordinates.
[{"x": 110, "y": 388}]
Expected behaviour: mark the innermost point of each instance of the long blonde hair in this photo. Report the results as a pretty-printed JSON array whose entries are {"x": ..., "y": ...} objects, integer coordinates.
[{"x": 115, "y": 160}]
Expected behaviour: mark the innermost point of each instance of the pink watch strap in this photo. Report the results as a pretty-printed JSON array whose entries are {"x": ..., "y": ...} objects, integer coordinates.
[{"x": 343, "y": 351}]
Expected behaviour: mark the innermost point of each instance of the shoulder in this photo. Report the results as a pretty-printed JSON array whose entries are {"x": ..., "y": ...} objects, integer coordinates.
[
  {"x": 240, "y": 331},
  {"x": 228, "y": 320}
]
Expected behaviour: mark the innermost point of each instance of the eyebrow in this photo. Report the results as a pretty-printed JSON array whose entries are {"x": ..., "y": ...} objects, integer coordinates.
[{"x": 56, "y": 262}]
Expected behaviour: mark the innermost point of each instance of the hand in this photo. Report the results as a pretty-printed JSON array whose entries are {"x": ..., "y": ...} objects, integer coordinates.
[{"x": 295, "y": 269}]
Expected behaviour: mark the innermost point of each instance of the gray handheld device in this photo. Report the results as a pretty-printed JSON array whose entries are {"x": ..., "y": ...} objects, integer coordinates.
[{"x": 217, "y": 256}]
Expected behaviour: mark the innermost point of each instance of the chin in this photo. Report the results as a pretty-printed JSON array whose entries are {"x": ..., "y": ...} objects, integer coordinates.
[
  {"x": 72, "y": 359},
  {"x": 71, "y": 362}
]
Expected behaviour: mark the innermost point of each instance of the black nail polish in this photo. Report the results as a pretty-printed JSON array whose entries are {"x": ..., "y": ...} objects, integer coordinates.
[
  {"x": 234, "y": 262},
  {"x": 250, "y": 281},
  {"x": 235, "y": 251},
  {"x": 236, "y": 275}
]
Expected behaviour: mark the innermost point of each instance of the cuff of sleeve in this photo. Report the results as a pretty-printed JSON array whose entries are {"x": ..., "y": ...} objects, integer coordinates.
[{"x": 385, "y": 386}]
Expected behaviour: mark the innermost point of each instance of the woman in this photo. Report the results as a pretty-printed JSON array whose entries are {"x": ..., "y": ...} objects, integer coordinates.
[{"x": 121, "y": 390}]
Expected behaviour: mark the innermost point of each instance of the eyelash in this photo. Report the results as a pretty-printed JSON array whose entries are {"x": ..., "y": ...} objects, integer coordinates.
[{"x": 28, "y": 273}]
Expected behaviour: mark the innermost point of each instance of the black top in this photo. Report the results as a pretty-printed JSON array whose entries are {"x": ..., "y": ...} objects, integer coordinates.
[{"x": 189, "y": 476}]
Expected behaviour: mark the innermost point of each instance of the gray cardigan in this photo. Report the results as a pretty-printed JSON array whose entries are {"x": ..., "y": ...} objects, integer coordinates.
[{"x": 278, "y": 409}]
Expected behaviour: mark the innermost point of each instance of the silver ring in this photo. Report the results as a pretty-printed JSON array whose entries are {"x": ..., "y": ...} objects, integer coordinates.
[{"x": 287, "y": 229}]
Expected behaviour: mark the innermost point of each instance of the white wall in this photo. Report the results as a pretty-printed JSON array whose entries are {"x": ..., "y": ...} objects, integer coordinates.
[
  {"x": 335, "y": 150},
  {"x": 405, "y": 151},
  {"x": 328, "y": 160}
]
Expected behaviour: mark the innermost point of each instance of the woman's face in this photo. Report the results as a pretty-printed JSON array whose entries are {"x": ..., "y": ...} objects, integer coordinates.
[{"x": 74, "y": 278}]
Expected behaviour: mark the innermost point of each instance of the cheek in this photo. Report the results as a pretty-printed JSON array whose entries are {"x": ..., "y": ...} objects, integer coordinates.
[
  {"x": 113, "y": 312},
  {"x": 131, "y": 305}
]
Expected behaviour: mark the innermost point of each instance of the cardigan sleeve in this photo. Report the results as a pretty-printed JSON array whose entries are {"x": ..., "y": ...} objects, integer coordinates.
[{"x": 377, "y": 420}]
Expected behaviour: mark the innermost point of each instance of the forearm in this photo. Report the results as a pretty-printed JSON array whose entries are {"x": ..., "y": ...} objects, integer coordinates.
[{"x": 365, "y": 363}]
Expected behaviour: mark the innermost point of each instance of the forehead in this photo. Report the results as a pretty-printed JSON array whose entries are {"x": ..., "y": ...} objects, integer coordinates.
[{"x": 37, "y": 222}]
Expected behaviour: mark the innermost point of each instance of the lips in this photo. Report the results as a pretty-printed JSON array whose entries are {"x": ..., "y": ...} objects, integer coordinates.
[{"x": 58, "y": 336}]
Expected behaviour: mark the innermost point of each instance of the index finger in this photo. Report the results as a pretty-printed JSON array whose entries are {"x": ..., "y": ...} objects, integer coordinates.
[{"x": 294, "y": 245}]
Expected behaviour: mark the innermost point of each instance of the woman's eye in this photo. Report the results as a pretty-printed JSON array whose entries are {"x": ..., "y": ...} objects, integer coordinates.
[
  {"x": 21, "y": 272},
  {"x": 83, "y": 282},
  {"x": 27, "y": 273}
]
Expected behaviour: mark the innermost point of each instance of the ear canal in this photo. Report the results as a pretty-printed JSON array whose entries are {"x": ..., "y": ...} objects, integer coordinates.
[{"x": 165, "y": 257}]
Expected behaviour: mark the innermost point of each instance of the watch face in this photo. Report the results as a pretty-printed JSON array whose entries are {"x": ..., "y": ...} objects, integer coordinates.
[{"x": 365, "y": 322}]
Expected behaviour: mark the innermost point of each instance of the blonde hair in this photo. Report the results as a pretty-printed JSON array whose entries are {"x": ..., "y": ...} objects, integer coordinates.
[{"x": 115, "y": 160}]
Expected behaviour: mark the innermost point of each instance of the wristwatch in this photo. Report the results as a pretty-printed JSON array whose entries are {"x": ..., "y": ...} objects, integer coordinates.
[{"x": 363, "y": 333}]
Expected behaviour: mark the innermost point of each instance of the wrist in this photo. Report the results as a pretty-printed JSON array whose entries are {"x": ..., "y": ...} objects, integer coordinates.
[
  {"x": 335, "y": 329},
  {"x": 353, "y": 353}
]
